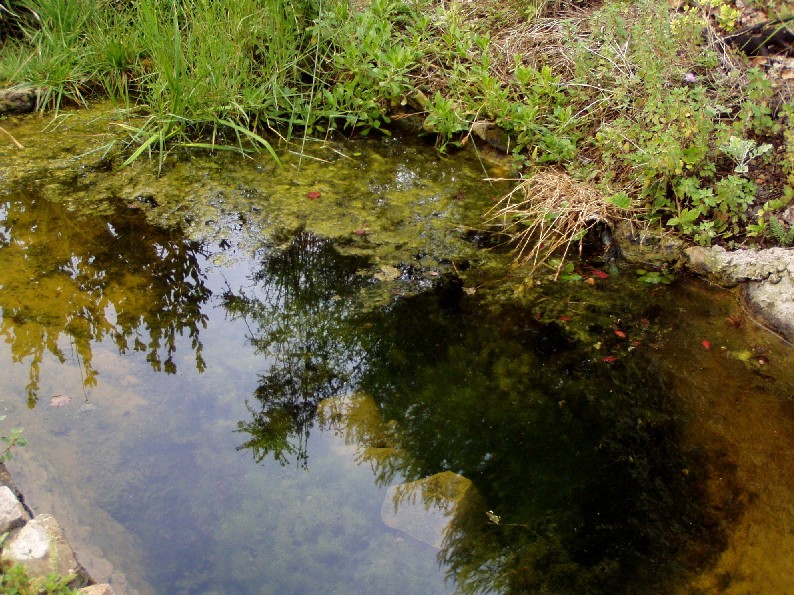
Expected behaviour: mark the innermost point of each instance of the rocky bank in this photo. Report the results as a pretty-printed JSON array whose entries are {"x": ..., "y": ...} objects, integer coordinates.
[
  {"x": 763, "y": 279},
  {"x": 38, "y": 542}
]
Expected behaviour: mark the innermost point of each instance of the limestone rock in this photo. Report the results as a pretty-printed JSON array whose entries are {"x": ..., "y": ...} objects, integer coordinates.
[
  {"x": 773, "y": 303},
  {"x": 103, "y": 589},
  {"x": 42, "y": 548},
  {"x": 12, "y": 514},
  {"x": 731, "y": 268},
  {"x": 767, "y": 277}
]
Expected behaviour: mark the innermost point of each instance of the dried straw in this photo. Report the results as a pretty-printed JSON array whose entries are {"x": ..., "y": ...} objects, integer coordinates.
[{"x": 548, "y": 212}]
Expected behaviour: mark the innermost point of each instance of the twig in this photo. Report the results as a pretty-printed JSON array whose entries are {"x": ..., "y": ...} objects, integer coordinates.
[{"x": 13, "y": 140}]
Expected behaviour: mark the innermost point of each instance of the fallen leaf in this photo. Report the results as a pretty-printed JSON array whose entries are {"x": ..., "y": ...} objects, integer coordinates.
[
  {"x": 590, "y": 281},
  {"x": 620, "y": 334},
  {"x": 599, "y": 274},
  {"x": 706, "y": 344},
  {"x": 610, "y": 359},
  {"x": 361, "y": 232},
  {"x": 313, "y": 195},
  {"x": 60, "y": 400},
  {"x": 565, "y": 318}
]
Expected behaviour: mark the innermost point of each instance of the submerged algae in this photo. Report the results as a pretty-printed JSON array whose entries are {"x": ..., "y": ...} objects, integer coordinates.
[{"x": 397, "y": 203}]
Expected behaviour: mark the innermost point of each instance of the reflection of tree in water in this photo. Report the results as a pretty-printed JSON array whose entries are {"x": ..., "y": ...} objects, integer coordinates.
[
  {"x": 301, "y": 321},
  {"x": 88, "y": 277},
  {"x": 576, "y": 460}
]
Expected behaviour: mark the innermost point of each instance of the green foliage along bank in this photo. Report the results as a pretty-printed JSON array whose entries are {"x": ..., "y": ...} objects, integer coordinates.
[{"x": 641, "y": 101}]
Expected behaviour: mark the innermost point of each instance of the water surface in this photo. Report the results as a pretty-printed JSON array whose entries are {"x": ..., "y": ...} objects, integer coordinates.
[{"x": 250, "y": 367}]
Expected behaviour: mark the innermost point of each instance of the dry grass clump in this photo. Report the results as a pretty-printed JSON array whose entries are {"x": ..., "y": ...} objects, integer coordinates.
[
  {"x": 543, "y": 40},
  {"x": 550, "y": 212}
]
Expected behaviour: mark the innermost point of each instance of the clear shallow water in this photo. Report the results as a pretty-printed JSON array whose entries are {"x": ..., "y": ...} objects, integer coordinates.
[{"x": 240, "y": 407}]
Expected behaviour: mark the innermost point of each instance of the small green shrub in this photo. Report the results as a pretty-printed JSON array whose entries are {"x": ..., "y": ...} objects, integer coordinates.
[
  {"x": 15, "y": 579},
  {"x": 13, "y": 440},
  {"x": 784, "y": 236}
]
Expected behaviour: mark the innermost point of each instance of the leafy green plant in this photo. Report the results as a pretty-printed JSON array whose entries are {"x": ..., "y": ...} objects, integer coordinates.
[
  {"x": 15, "y": 579},
  {"x": 784, "y": 236},
  {"x": 742, "y": 151},
  {"x": 13, "y": 440}
]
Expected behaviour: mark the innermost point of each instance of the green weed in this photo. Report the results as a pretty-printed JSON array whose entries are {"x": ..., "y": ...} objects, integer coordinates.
[
  {"x": 784, "y": 236},
  {"x": 11, "y": 441}
]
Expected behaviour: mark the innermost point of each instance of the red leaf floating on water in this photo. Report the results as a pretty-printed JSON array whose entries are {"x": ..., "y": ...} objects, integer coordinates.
[
  {"x": 706, "y": 344},
  {"x": 599, "y": 274},
  {"x": 620, "y": 334},
  {"x": 60, "y": 400},
  {"x": 313, "y": 195},
  {"x": 609, "y": 359}
]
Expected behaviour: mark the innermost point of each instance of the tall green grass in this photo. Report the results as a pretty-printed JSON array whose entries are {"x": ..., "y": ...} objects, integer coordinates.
[
  {"x": 207, "y": 73},
  {"x": 220, "y": 70},
  {"x": 54, "y": 56}
]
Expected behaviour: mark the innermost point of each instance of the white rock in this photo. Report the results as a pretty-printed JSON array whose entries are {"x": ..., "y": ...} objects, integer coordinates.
[
  {"x": 41, "y": 547},
  {"x": 12, "y": 513}
]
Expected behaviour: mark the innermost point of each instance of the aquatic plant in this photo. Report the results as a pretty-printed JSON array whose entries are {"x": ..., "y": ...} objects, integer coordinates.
[{"x": 13, "y": 440}]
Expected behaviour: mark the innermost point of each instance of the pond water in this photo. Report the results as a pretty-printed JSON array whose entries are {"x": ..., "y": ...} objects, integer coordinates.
[{"x": 241, "y": 378}]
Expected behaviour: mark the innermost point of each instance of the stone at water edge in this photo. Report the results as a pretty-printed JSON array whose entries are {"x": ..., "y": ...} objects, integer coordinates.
[
  {"x": 18, "y": 100},
  {"x": 12, "y": 513},
  {"x": 767, "y": 278},
  {"x": 41, "y": 547}
]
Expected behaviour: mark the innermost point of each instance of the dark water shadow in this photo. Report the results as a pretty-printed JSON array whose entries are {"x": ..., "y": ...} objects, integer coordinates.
[{"x": 582, "y": 485}]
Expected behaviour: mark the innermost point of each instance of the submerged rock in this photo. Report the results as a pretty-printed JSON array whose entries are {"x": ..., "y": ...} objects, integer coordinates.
[
  {"x": 424, "y": 509},
  {"x": 101, "y": 589}
]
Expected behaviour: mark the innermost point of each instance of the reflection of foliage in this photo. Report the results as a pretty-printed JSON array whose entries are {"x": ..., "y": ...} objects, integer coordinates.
[
  {"x": 577, "y": 482},
  {"x": 580, "y": 464},
  {"x": 360, "y": 422},
  {"x": 86, "y": 278},
  {"x": 302, "y": 321}
]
